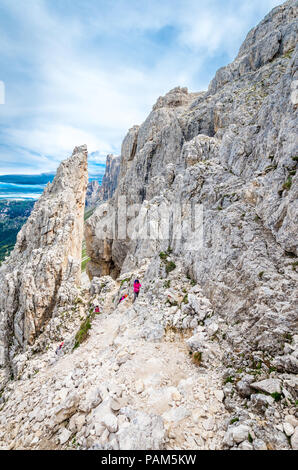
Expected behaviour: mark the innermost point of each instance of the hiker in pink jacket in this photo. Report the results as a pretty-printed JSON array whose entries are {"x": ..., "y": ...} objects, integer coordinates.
[{"x": 136, "y": 289}]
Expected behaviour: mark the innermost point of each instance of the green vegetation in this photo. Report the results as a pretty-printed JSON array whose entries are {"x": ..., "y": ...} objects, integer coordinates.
[
  {"x": 127, "y": 279},
  {"x": 82, "y": 334},
  {"x": 229, "y": 379},
  {"x": 287, "y": 185},
  {"x": 277, "y": 396},
  {"x": 289, "y": 54},
  {"x": 270, "y": 168},
  {"x": 88, "y": 213},
  {"x": 261, "y": 274},
  {"x": 197, "y": 357},
  {"x": 84, "y": 264},
  {"x": 170, "y": 266},
  {"x": 85, "y": 257},
  {"x": 234, "y": 420},
  {"x": 163, "y": 255},
  {"x": 13, "y": 215},
  {"x": 294, "y": 266},
  {"x": 289, "y": 337},
  {"x": 173, "y": 303},
  {"x": 84, "y": 250},
  {"x": 74, "y": 443}
]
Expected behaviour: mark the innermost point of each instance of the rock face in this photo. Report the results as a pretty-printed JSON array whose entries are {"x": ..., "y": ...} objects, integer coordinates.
[
  {"x": 46, "y": 262},
  {"x": 97, "y": 193},
  {"x": 121, "y": 389},
  {"x": 205, "y": 357},
  {"x": 132, "y": 384},
  {"x": 110, "y": 179},
  {"x": 92, "y": 194},
  {"x": 233, "y": 150}
]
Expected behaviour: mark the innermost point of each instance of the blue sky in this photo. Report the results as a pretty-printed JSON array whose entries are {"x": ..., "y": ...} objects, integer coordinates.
[{"x": 85, "y": 71}]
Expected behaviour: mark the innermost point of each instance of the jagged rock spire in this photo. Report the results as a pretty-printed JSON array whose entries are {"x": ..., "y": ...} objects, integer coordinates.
[{"x": 46, "y": 261}]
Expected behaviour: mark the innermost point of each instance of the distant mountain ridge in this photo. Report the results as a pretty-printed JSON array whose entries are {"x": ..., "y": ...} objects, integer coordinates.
[{"x": 43, "y": 178}]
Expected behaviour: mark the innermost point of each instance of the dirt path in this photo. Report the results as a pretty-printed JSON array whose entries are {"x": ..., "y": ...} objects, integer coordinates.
[{"x": 153, "y": 376}]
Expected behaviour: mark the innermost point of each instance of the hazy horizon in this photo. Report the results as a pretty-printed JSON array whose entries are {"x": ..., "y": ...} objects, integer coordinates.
[{"x": 22, "y": 186}]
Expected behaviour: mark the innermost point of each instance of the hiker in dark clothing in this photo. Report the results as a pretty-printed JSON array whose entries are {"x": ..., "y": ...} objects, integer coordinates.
[
  {"x": 59, "y": 350},
  {"x": 123, "y": 298}
]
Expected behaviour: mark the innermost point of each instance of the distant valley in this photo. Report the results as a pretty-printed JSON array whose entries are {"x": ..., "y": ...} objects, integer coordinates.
[
  {"x": 18, "y": 194},
  {"x": 13, "y": 215}
]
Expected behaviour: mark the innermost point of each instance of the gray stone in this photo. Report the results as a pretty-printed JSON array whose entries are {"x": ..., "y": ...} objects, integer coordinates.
[
  {"x": 268, "y": 386},
  {"x": 91, "y": 400},
  {"x": 246, "y": 445},
  {"x": 176, "y": 414},
  {"x": 288, "y": 429},
  {"x": 64, "y": 436},
  {"x": 294, "y": 439},
  {"x": 258, "y": 444},
  {"x": 97, "y": 193},
  {"x": 144, "y": 432},
  {"x": 243, "y": 387},
  {"x": 261, "y": 402},
  {"x": 110, "y": 422},
  {"x": 240, "y": 433},
  {"x": 66, "y": 409}
]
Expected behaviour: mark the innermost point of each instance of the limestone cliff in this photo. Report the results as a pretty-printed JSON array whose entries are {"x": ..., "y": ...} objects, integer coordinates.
[
  {"x": 92, "y": 194},
  {"x": 232, "y": 149},
  {"x": 97, "y": 193},
  {"x": 46, "y": 261},
  {"x": 110, "y": 179},
  {"x": 205, "y": 358}
]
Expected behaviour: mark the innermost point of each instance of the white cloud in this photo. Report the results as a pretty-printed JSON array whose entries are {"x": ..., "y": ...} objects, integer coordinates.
[
  {"x": 55, "y": 140},
  {"x": 88, "y": 74},
  {"x": 213, "y": 26}
]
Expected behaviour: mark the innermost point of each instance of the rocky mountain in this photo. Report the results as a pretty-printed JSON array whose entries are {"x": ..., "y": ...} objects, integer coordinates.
[
  {"x": 205, "y": 216},
  {"x": 92, "y": 194},
  {"x": 13, "y": 215},
  {"x": 46, "y": 260},
  {"x": 110, "y": 179},
  {"x": 233, "y": 150},
  {"x": 96, "y": 192}
]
